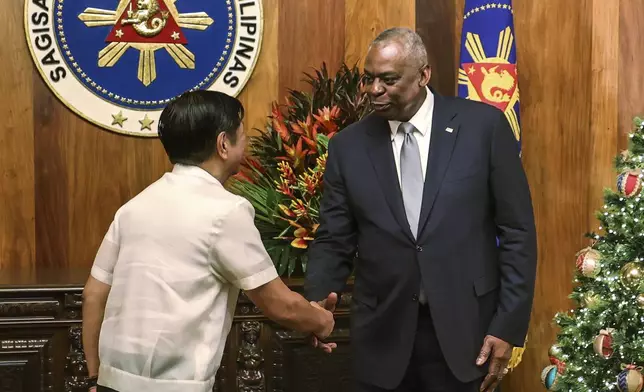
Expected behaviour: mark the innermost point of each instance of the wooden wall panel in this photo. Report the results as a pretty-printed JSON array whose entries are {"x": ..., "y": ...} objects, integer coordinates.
[
  {"x": 631, "y": 58},
  {"x": 17, "y": 229},
  {"x": 366, "y": 19},
  {"x": 441, "y": 40},
  {"x": 62, "y": 178},
  {"x": 263, "y": 86},
  {"x": 554, "y": 63},
  {"x": 310, "y": 32}
]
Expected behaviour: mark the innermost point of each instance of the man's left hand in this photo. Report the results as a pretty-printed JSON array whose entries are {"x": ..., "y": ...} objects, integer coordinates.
[{"x": 499, "y": 353}]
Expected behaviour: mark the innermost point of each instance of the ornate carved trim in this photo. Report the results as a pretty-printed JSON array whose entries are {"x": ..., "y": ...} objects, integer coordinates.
[
  {"x": 29, "y": 308},
  {"x": 75, "y": 365},
  {"x": 250, "y": 374},
  {"x": 24, "y": 349}
]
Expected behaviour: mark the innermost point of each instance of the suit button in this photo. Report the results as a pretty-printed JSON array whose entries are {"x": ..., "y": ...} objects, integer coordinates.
[
  {"x": 419, "y": 248},
  {"x": 414, "y": 297}
]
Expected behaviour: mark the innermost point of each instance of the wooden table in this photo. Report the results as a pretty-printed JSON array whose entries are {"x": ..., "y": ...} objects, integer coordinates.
[{"x": 41, "y": 348}]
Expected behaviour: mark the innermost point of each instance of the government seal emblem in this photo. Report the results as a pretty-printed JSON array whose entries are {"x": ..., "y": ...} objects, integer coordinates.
[
  {"x": 117, "y": 63},
  {"x": 488, "y": 76}
]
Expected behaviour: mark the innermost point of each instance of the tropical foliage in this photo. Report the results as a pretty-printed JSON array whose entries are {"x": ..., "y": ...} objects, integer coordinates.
[{"x": 282, "y": 177}]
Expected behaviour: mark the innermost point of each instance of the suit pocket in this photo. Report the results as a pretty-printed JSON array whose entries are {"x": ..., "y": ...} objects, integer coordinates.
[
  {"x": 486, "y": 284},
  {"x": 363, "y": 299}
]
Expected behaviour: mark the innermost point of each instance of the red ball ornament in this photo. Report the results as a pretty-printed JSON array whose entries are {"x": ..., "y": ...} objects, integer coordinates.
[
  {"x": 630, "y": 379},
  {"x": 629, "y": 183},
  {"x": 603, "y": 343},
  {"x": 588, "y": 262},
  {"x": 561, "y": 365}
]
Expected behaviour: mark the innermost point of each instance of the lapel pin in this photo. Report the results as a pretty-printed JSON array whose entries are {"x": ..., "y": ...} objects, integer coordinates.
[{"x": 450, "y": 130}]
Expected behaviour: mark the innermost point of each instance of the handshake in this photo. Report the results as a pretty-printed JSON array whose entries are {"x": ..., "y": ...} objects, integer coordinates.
[{"x": 326, "y": 307}]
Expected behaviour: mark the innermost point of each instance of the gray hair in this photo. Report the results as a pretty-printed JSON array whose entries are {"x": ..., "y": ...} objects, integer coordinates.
[{"x": 411, "y": 42}]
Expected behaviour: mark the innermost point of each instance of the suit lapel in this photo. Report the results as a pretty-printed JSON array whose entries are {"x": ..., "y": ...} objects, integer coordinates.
[
  {"x": 440, "y": 152},
  {"x": 382, "y": 158}
]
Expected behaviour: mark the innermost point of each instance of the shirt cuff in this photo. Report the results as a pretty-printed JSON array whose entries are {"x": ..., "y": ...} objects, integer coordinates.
[
  {"x": 101, "y": 275},
  {"x": 260, "y": 278}
]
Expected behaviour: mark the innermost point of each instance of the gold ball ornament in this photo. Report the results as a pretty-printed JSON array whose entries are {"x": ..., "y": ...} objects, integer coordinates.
[
  {"x": 555, "y": 351},
  {"x": 640, "y": 300},
  {"x": 632, "y": 275}
]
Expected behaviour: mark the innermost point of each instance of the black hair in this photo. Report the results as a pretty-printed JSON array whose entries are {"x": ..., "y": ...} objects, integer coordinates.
[{"x": 190, "y": 124}]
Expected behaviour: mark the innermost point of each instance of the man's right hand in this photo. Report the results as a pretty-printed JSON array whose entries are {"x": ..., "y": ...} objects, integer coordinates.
[{"x": 328, "y": 305}]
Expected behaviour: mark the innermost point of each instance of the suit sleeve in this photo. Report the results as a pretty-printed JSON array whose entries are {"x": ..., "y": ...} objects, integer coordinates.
[
  {"x": 517, "y": 237},
  {"x": 331, "y": 253}
]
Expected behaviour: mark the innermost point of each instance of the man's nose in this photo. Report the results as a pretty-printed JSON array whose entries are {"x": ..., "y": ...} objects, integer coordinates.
[{"x": 376, "y": 88}]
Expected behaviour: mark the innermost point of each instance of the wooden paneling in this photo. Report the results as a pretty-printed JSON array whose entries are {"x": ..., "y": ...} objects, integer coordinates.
[
  {"x": 62, "y": 178},
  {"x": 631, "y": 58},
  {"x": 441, "y": 40},
  {"x": 554, "y": 44},
  {"x": 17, "y": 229},
  {"x": 366, "y": 19},
  {"x": 310, "y": 32},
  {"x": 262, "y": 88}
]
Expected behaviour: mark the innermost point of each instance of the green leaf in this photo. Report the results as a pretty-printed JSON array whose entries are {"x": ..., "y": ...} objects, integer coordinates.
[{"x": 323, "y": 140}]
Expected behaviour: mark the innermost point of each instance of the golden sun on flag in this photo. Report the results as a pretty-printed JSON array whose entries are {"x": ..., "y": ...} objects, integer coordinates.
[{"x": 492, "y": 80}]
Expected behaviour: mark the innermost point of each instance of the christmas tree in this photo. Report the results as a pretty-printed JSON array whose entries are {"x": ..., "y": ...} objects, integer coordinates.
[{"x": 600, "y": 344}]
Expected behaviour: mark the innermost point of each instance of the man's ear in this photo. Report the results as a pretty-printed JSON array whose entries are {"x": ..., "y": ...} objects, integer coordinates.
[
  {"x": 425, "y": 76},
  {"x": 222, "y": 145}
]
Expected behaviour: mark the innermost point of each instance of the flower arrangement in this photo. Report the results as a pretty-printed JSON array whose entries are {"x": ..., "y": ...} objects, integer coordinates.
[{"x": 282, "y": 177}]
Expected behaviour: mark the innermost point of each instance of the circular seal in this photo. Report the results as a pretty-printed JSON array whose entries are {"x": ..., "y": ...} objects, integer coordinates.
[{"x": 117, "y": 63}]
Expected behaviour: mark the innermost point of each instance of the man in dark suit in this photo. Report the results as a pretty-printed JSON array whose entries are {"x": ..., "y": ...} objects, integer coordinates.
[{"x": 415, "y": 196}]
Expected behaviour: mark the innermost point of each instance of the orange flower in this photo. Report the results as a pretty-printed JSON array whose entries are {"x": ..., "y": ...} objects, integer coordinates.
[
  {"x": 326, "y": 118},
  {"x": 286, "y": 172},
  {"x": 309, "y": 181},
  {"x": 301, "y": 238},
  {"x": 284, "y": 188},
  {"x": 299, "y": 208},
  {"x": 321, "y": 161},
  {"x": 286, "y": 211}
]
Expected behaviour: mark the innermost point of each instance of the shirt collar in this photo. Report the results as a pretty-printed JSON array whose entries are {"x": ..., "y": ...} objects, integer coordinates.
[
  {"x": 194, "y": 171},
  {"x": 420, "y": 118}
]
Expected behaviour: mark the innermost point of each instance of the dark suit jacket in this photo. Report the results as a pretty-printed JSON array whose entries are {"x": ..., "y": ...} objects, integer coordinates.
[{"x": 475, "y": 191}]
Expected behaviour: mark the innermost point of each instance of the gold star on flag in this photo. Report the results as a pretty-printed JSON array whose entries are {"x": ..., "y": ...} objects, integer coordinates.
[
  {"x": 119, "y": 33},
  {"x": 175, "y": 35}
]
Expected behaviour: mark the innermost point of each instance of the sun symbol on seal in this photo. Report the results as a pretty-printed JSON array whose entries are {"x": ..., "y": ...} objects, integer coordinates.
[{"x": 146, "y": 25}]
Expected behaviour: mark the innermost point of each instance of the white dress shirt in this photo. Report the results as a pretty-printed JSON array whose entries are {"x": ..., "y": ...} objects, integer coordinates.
[
  {"x": 176, "y": 256},
  {"x": 422, "y": 120}
]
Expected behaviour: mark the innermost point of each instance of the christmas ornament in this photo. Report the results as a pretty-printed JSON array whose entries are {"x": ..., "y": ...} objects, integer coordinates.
[
  {"x": 588, "y": 262},
  {"x": 632, "y": 275},
  {"x": 625, "y": 154},
  {"x": 555, "y": 351},
  {"x": 629, "y": 183},
  {"x": 630, "y": 379},
  {"x": 640, "y": 300},
  {"x": 550, "y": 377},
  {"x": 591, "y": 300},
  {"x": 603, "y": 343}
]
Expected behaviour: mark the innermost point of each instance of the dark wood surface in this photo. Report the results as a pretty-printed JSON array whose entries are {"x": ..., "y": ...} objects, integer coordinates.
[{"x": 41, "y": 347}]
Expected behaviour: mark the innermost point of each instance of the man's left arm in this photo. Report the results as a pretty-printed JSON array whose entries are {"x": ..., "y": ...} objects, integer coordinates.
[
  {"x": 517, "y": 237},
  {"x": 517, "y": 254}
]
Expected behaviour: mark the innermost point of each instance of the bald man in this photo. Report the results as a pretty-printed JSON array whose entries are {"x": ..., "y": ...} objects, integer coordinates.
[{"x": 415, "y": 196}]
